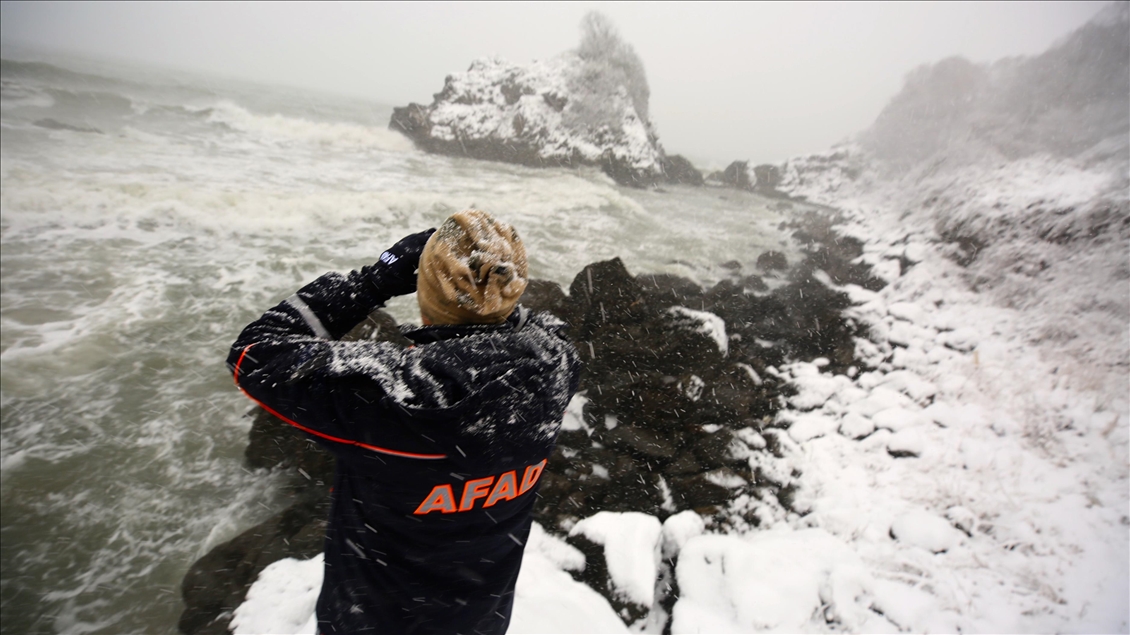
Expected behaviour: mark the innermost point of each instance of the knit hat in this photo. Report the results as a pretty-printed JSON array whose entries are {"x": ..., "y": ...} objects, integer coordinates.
[{"x": 472, "y": 270}]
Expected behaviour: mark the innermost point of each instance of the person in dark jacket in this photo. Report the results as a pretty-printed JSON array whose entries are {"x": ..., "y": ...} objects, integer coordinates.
[{"x": 440, "y": 445}]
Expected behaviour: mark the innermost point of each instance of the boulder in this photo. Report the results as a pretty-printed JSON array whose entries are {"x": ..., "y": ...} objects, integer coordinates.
[
  {"x": 677, "y": 169},
  {"x": 218, "y": 582},
  {"x": 772, "y": 261}
]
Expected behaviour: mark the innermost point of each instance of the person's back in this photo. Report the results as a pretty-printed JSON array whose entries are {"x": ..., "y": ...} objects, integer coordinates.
[{"x": 440, "y": 446}]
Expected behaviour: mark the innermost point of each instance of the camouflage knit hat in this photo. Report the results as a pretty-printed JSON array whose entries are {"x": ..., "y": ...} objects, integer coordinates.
[{"x": 472, "y": 271}]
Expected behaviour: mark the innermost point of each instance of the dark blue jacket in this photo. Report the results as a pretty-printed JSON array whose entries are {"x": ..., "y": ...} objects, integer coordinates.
[{"x": 439, "y": 448}]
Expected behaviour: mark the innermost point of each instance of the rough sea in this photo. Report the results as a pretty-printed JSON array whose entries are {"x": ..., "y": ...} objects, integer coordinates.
[{"x": 147, "y": 216}]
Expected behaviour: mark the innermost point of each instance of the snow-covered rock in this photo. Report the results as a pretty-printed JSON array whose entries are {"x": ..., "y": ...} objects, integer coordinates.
[
  {"x": 771, "y": 581},
  {"x": 923, "y": 529},
  {"x": 583, "y": 107},
  {"x": 631, "y": 542}
]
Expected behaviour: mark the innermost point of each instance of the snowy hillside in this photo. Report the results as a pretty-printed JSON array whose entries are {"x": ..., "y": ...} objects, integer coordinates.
[{"x": 972, "y": 475}]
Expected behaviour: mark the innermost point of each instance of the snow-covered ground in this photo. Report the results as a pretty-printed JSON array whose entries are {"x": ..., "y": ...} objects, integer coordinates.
[{"x": 976, "y": 481}]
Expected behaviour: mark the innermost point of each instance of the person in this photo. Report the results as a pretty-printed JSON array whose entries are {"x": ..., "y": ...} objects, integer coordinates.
[{"x": 439, "y": 446}]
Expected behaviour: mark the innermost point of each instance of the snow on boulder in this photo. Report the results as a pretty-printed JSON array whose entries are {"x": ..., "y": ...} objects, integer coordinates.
[
  {"x": 562, "y": 554},
  {"x": 776, "y": 580},
  {"x": 282, "y": 599},
  {"x": 856, "y": 426},
  {"x": 703, "y": 322},
  {"x": 924, "y": 529},
  {"x": 963, "y": 339},
  {"x": 948, "y": 415},
  {"x": 813, "y": 387},
  {"x": 906, "y": 443},
  {"x": 548, "y": 600},
  {"x": 895, "y": 419},
  {"x": 631, "y": 551},
  {"x": 808, "y": 425},
  {"x": 680, "y": 528},
  {"x": 911, "y": 385},
  {"x": 880, "y": 399},
  {"x": 909, "y": 311}
]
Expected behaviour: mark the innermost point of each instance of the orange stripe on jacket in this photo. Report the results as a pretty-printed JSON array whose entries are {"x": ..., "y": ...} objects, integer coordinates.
[{"x": 374, "y": 448}]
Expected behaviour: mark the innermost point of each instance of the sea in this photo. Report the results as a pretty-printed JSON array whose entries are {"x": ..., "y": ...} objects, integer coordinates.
[{"x": 146, "y": 216}]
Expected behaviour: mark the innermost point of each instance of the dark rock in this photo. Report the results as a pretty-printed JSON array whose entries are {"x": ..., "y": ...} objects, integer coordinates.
[
  {"x": 605, "y": 295},
  {"x": 736, "y": 175},
  {"x": 545, "y": 295},
  {"x": 694, "y": 492},
  {"x": 713, "y": 450},
  {"x": 768, "y": 177},
  {"x": 623, "y": 171},
  {"x": 772, "y": 261},
  {"x": 678, "y": 169},
  {"x": 217, "y": 583},
  {"x": 684, "y": 464},
  {"x": 639, "y": 441},
  {"x": 752, "y": 283},
  {"x": 273, "y": 443},
  {"x": 664, "y": 289},
  {"x": 555, "y": 101}
]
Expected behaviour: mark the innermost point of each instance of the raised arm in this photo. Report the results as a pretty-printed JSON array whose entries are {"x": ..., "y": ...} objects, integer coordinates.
[{"x": 280, "y": 360}]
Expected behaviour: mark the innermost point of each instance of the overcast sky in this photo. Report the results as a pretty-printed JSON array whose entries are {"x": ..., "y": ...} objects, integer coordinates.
[{"x": 728, "y": 81}]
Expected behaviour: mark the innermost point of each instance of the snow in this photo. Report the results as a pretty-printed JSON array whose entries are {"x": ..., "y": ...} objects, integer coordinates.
[
  {"x": 678, "y": 529},
  {"x": 703, "y": 322},
  {"x": 546, "y": 600},
  {"x": 631, "y": 542},
  {"x": 282, "y": 599},
  {"x": 769, "y": 581},
  {"x": 923, "y": 529}
]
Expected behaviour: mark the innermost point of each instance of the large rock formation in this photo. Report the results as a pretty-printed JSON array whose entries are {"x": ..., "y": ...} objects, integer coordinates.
[
  {"x": 680, "y": 384},
  {"x": 583, "y": 107}
]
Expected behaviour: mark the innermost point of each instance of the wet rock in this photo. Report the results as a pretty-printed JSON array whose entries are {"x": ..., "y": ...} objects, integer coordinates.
[
  {"x": 666, "y": 289},
  {"x": 696, "y": 492},
  {"x": 217, "y": 583},
  {"x": 544, "y": 295},
  {"x": 768, "y": 178},
  {"x": 678, "y": 169},
  {"x": 772, "y": 261},
  {"x": 736, "y": 175},
  {"x": 640, "y": 442},
  {"x": 604, "y": 295}
]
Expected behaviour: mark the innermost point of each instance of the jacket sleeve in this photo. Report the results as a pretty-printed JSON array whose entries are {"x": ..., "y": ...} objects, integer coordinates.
[{"x": 280, "y": 360}]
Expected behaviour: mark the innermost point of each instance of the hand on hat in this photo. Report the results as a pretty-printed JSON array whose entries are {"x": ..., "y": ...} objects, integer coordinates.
[{"x": 395, "y": 270}]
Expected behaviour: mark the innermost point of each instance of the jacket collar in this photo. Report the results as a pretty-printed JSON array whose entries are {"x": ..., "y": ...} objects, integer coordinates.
[{"x": 428, "y": 334}]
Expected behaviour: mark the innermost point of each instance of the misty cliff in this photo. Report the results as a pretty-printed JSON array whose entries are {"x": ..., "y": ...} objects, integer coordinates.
[
  {"x": 1017, "y": 171},
  {"x": 1063, "y": 102}
]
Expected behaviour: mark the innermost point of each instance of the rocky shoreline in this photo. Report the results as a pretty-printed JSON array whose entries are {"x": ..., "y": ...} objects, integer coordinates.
[{"x": 680, "y": 389}]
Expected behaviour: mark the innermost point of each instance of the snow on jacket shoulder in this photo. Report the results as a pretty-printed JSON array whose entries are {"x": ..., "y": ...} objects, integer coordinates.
[{"x": 440, "y": 447}]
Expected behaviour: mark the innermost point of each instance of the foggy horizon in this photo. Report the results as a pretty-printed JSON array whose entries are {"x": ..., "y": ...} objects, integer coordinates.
[{"x": 758, "y": 82}]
